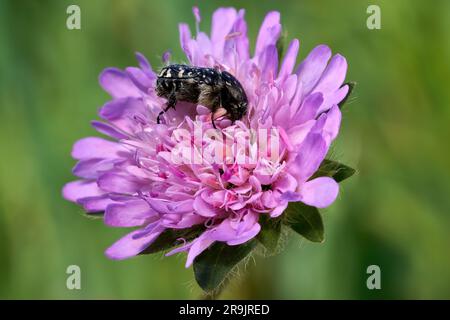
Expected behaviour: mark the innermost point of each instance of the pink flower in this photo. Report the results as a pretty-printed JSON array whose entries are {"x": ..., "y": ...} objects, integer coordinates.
[{"x": 169, "y": 176}]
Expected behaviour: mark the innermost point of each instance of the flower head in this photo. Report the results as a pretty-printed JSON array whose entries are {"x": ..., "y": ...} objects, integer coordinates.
[{"x": 183, "y": 174}]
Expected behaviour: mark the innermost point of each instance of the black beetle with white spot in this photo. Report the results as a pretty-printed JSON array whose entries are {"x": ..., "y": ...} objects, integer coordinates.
[{"x": 217, "y": 90}]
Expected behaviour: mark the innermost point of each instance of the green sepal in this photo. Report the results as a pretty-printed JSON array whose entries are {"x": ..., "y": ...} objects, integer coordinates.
[
  {"x": 330, "y": 168},
  {"x": 213, "y": 265},
  {"x": 305, "y": 220}
]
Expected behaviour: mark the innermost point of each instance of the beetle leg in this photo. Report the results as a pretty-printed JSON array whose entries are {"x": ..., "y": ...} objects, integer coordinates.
[
  {"x": 171, "y": 102},
  {"x": 212, "y": 117}
]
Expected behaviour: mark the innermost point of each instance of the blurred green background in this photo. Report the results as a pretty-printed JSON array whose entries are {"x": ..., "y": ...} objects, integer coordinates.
[{"x": 394, "y": 213}]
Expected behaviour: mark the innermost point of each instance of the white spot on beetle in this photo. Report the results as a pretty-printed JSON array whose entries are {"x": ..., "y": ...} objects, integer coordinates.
[
  {"x": 168, "y": 74},
  {"x": 180, "y": 74}
]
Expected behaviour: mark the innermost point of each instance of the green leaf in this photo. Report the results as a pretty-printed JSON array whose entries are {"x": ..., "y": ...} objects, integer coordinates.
[
  {"x": 214, "y": 264},
  {"x": 270, "y": 232},
  {"x": 333, "y": 169},
  {"x": 171, "y": 238},
  {"x": 305, "y": 220},
  {"x": 351, "y": 85}
]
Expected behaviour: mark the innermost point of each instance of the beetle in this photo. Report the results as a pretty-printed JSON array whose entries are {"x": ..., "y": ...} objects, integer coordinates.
[{"x": 217, "y": 90}]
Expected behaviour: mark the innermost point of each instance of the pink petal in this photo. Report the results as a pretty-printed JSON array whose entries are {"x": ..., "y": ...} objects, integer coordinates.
[
  {"x": 298, "y": 133},
  {"x": 95, "y": 204},
  {"x": 140, "y": 79},
  {"x": 332, "y": 124},
  {"x": 118, "y": 84},
  {"x": 203, "y": 46},
  {"x": 320, "y": 192},
  {"x": 290, "y": 87},
  {"x": 182, "y": 248},
  {"x": 340, "y": 94},
  {"x": 333, "y": 76},
  {"x": 225, "y": 233},
  {"x": 296, "y": 100},
  {"x": 269, "y": 62},
  {"x": 204, "y": 209},
  {"x": 222, "y": 22},
  {"x": 108, "y": 130},
  {"x": 185, "y": 37},
  {"x": 333, "y": 98},
  {"x": 75, "y": 190},
  {"x": 308, "y": 109},
  {"x": 198, "y": 246},
  {"x": 128, "y": 214},
  {"x": 130, "y": 245},
  {"x": 289, "y": 59},
  {"x": 115, "y": 182},
  {"x": 186, "y": 220},
  {"x": 181, "y": 207},
  {"x": 174, "y": 207},
  {"x": 144, "y": 64},
  {"x": 310, "y": 155},
  {"x": 94, "y": 147},
  {"x": 278, "y": 210},
  {"x": 268, "y": 199},
  {"x": 269, "y": 32},
  {"x": 310, "y": 70},
  {"x": 234, "y": 233},
  {"x": 285, "y": 183},
  {"x": 245, "y": 236},
  {"x": 125, "y": 113},
  {"x": 239, "y": 42},
  {"x": 91, "y": 168},
  {"x": 115, "y": 109}
]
